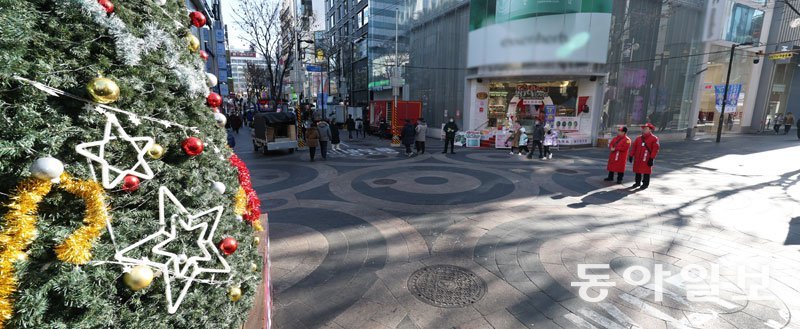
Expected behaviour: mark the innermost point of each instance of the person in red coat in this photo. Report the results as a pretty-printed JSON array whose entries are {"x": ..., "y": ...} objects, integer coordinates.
[
  {"x": 644, "y": 151},
  {"x": 619, "y": 147}
]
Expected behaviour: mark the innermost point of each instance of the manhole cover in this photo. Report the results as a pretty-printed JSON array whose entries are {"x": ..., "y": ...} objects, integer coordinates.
[
  {"x": 446, "y": 286},
  {"x": 566, "y": 171},
  {"x": 384, "y": 181}
]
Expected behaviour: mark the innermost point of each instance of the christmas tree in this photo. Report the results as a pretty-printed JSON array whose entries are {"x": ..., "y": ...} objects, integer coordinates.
[{"x": 121, "y": 204}]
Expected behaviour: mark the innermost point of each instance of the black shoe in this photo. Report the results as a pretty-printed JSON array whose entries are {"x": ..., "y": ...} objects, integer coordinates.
[
  {"x": 619, "y": 182},
  {"x": 609, "y": 179},
  {"x": 644, "y": 187},
  {"x": 445, "y": 152},
  {"x": 636, "y": 185},
  {"x": 452, "y": 152}
]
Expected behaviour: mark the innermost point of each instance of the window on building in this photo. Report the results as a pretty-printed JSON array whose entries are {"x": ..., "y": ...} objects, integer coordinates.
[{"x": 362, "y": 18}]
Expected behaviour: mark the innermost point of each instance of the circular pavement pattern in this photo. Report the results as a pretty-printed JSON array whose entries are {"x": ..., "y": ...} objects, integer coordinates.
[{"x": 446, "y": 286}]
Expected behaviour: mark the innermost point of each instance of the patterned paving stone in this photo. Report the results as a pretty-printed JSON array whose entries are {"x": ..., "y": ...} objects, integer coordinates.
[{"x": 348, "y": 234}]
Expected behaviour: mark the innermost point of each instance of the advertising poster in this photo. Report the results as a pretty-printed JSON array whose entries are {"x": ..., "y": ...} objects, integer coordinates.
[
  {"x": 550, "y": 115},
  {"x": 733, "y": 97},
  {"x": 567, "y": 124},
  {"x": 473, "y": 138},
  {"x": 500, "y": 140}
]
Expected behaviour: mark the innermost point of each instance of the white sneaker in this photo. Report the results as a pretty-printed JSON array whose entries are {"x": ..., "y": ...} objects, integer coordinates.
[
  {"x": 520, "y": 153},
  {"x": 544, "y": 158},
  {"x": 512, "y": 153},
  {"x": 550, "y": 156}
]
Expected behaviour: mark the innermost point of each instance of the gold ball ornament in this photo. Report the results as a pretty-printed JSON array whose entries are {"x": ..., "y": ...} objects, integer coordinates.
[
  {"x": 235, "y": 293},
  {"x": 103, "y": 90},
  {"x": 155, "y": 152},
  {"x": 253, "y": 267},
  {"x": 139, "y": 277},
  {"x": 192, "y": 42},
  {"x": 256, "y": 241}
]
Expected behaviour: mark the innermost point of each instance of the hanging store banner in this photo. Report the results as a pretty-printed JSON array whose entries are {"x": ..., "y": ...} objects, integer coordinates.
[
  {"x": 538, "y": 31},
  {"x": 733, "y": 97}
]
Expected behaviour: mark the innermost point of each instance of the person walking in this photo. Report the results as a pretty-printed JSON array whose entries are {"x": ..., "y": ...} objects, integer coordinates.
[
  {"x": 312, "y": 140},
  {"x": 644, "y": 151},
  {"x": 537, "y": 138},
  {"x": 421, "y": 133},
  {"x": 335, "y": 136},
  {"x": 523, "y": 141},
  {"x": 408, "y": 136},
  {"x": 450, "y": 130},
  {"x": 360, "y": 128},
  {"x": 550, "y": 141},
  {"x": 324, "y": 138},
  {"x": 514, "y": 139},
  {"x": 776, "y": 126},
  {"x": 619, "y": 147},
  {"x": 788, "y": 122},
  {"x": 351, "y": 125},
  {"x": 236, "y": 122}
]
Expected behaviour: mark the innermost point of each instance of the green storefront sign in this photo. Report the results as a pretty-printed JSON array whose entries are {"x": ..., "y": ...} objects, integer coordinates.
[{"x": 488, "y": 12}]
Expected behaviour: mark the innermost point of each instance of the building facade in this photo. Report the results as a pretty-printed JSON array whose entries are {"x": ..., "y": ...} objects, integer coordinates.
[
  {"x": 301, "y": 21},
  {"x": 213, "y": 38},
  {"x": 239, "y": 61},
  {"x": 588, "y": 67}
]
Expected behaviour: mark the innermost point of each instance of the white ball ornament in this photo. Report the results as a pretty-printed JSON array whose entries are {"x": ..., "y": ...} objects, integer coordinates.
[
  {"x": 219, "y": 187},
  {"x": 48, "y": 168},
  {"x": 161, "y": 2},
  {"x": 212, "y": 80},
  {"x": 220, "y": 119}
]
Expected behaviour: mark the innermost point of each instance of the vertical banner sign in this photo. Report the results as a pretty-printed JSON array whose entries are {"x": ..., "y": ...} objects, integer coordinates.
[
  {"x": 550, "y": 114},
  {"x": 733, "y": 97}
]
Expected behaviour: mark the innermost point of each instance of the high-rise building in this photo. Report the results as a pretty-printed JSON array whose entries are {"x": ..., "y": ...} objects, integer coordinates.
[
  {"x": 213, "y": 41},
  {"x": 361, "y": 38},
  {"x": 239, "y": 61},
  {"x": 301, "y": 20}
]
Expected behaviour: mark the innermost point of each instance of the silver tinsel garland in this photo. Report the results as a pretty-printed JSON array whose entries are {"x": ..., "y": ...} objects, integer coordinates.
[{"x": 131, "y": 48}]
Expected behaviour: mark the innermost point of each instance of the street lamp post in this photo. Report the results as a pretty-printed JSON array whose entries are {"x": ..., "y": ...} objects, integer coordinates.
[{"x": 725, "y": 93}]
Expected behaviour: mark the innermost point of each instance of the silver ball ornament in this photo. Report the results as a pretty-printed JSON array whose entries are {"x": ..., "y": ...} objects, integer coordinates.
[
  {"x": 161, "y": 2},
  {"x": 212, "y": 80},
  {"x": 219, "y": 187},
  {"x": 220, "y": 119},
  {"x": 48, "y": 168}
]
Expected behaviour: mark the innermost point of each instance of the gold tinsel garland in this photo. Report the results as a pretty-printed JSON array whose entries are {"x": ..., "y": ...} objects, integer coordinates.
[
  {"x": 240, "y": 208},
  {"x": 20, "y": 230}
]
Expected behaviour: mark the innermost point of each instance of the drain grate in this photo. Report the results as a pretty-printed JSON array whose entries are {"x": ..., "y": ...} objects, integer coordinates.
[{"x": 446, "y": 286}]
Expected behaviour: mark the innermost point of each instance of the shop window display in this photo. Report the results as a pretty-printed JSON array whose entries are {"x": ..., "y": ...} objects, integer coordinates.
[{"x": 526, "y": 102}]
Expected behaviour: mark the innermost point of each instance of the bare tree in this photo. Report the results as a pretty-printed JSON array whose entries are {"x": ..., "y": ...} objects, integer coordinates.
[
  {"x": 273, "y": 36},
  {"x": 256, "y": 79},
  {"x": 260, "y": 21}
]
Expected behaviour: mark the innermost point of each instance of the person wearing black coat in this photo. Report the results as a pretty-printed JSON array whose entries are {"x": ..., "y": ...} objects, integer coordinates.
[
  {"x": 335, "y": 136},
  {"x": 537, "y": 138},
  {"x": 351, "y": 126},
  {"x": 408, "y": 136},
  {"x": 450, "y": 130}
]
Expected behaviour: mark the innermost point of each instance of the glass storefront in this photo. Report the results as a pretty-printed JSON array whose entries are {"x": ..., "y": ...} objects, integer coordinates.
[
  {"x": 526, "y": 102},
  {"x": 653, "y": 68},
  {"x": 715, "y": 76}
]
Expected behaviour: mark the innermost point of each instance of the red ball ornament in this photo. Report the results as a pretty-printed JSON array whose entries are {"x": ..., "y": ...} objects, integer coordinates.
[
  {"x": 198, "y": 19},
  {"x": 228, "y": 245},
  {"x": 204, "y": 55},
  {"x": 214, "y": 100},
  {"x": 192, "y": 146},
  {"x": 109, "y": 7},
  {"x": 130, "y": 183}
]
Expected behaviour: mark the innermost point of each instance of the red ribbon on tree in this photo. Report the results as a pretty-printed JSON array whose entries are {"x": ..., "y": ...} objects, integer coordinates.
[{"x": 253, "y": 203}]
